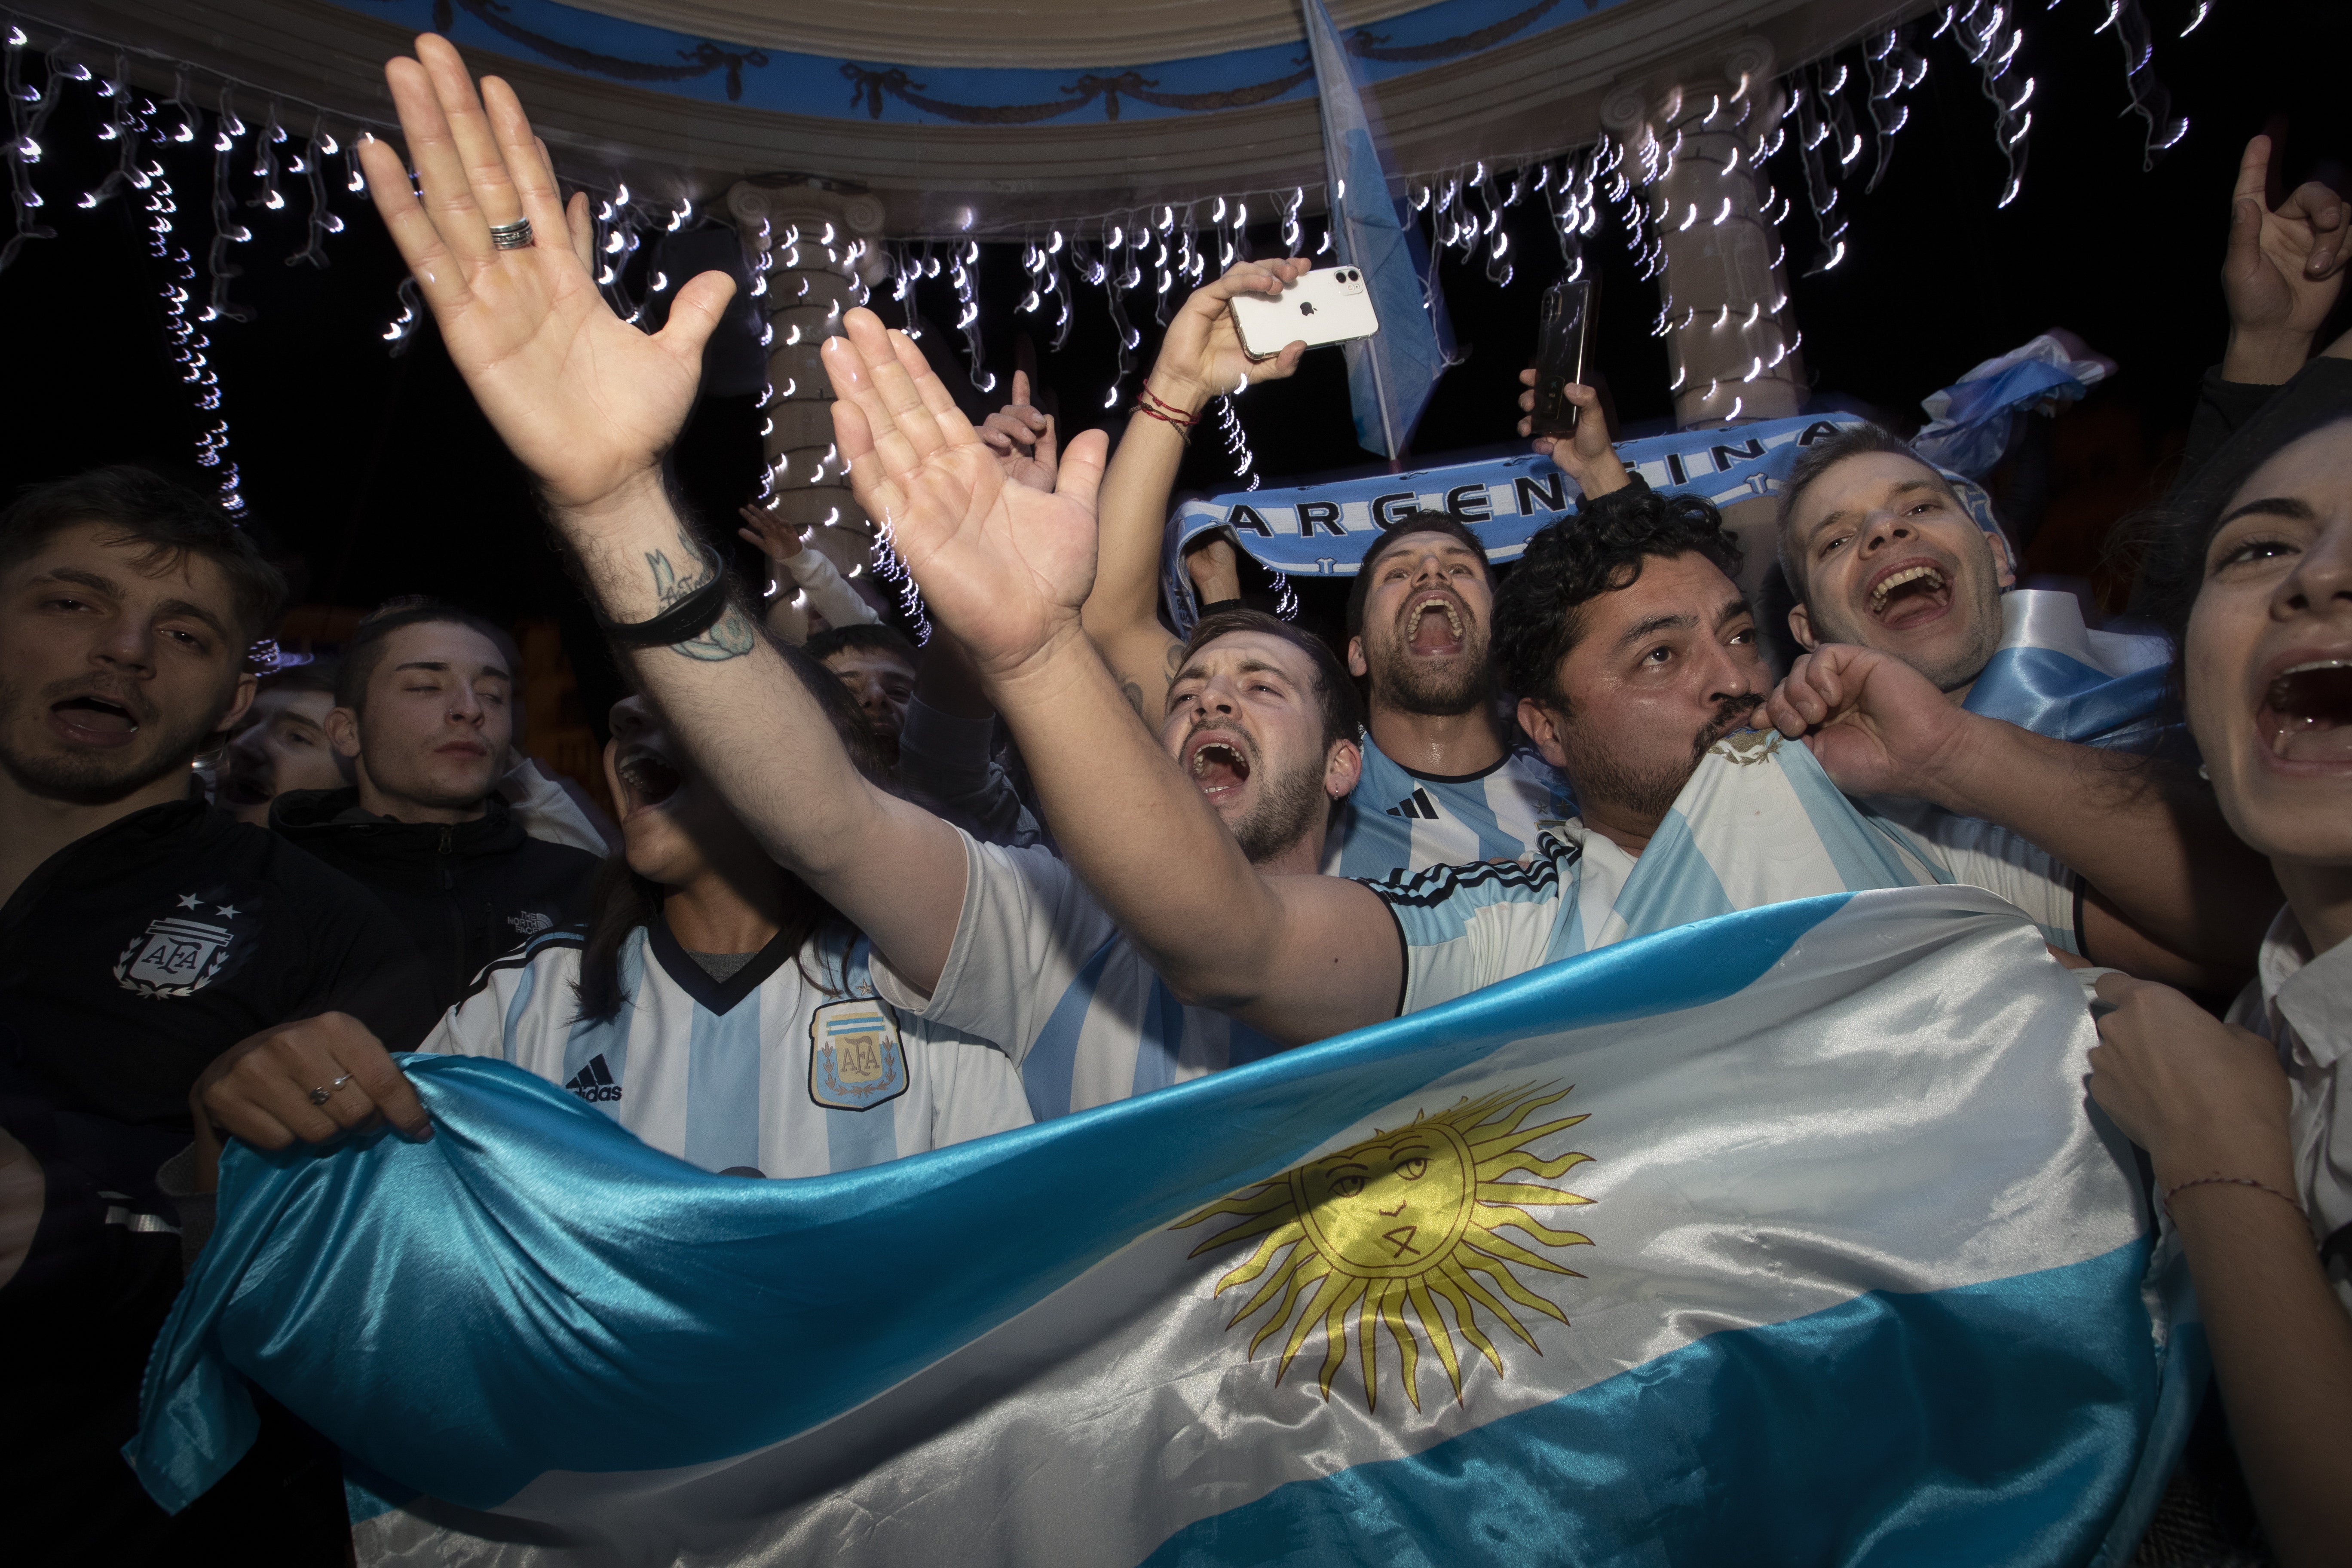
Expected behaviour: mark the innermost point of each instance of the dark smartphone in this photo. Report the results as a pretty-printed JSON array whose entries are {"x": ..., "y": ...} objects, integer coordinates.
[{"x": 1559, "y": 357}]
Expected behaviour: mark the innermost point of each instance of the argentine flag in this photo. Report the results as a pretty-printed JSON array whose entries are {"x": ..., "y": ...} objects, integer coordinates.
[{"x": 1784, "y": 1236}]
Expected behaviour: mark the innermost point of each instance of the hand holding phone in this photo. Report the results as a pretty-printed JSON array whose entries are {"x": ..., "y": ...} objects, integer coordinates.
[
  {"x": 1567, "y": 322},
  {"x": 1329, "y": 305}
]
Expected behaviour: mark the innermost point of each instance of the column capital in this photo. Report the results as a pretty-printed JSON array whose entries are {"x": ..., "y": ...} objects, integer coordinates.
[{"x": 778, "y": 199}]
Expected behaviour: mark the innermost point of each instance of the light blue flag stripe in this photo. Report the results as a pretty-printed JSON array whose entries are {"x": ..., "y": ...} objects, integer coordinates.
[
  {"x": 527, "y": 1283},
  {"x": 1668, "y": 1463}
]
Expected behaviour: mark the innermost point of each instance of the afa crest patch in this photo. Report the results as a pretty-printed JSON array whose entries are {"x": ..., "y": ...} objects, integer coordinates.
[
  {"x": 176, "y": 956},
  {"x": 856, "y": 1058}
]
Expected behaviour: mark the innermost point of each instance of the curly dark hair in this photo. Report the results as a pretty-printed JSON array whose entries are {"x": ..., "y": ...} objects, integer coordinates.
[{"x": 1570, "y": 562}]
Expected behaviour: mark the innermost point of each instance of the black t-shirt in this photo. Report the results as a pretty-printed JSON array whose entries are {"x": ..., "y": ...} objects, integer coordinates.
[{"x": 136, "y": 954}]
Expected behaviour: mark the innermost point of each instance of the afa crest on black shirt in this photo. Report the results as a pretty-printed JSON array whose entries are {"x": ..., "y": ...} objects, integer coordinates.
[{"x": 182, "y": 953}]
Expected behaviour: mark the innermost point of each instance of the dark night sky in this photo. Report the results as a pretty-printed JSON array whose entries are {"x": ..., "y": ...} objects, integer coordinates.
[{"x": 379, "y": 473}]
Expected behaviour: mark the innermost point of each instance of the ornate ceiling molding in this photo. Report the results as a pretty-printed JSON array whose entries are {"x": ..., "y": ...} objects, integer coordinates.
[
  {"x": 1532, "y": 98},
  {"x": 1051, "y": 34}
]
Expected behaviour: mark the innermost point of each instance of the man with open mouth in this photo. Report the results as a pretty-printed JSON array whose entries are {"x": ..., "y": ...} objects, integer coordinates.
[
  {"x": 423, "y": 717},
  {"x": 1900, "y": 589},
  {"x": 1879, "y": 552},
  {"x": 153, "y": 943}
]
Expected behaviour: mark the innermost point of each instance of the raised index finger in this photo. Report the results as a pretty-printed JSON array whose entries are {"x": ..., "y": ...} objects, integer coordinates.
[{"x": 2254, "y": 174}]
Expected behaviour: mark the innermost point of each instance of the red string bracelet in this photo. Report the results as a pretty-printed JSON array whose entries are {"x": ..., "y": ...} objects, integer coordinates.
[
  {"x": 2232, "y": 1182},
  {"x": 1151, "y": 402}
]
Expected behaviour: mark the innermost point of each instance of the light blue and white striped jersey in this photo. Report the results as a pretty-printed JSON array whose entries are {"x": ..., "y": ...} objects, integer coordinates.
[
  {"x": 1757, "y": 823},
  {"x": 763, "y": 1072},
  {"x": 1039, "y": 967},
  {"x": 1396, "y": 820}
]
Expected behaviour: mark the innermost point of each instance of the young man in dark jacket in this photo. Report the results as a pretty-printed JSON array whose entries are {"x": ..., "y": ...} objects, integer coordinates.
[
  {"x": 149, "y": 943},
  {"x": 424, "y": 710}
]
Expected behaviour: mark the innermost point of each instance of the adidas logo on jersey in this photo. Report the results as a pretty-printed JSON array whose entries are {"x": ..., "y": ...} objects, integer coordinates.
[
  {"x": 1416, "y": 805},
  {"x": 594, "y": 1082}
]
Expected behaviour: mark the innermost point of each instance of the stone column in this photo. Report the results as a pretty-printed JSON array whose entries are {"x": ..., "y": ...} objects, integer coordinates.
[
  {"x": 1695, "y": 147},
  {"x": 814, "y": 251}
]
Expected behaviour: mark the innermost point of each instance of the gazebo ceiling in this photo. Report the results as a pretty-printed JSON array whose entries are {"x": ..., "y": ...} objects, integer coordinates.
[
  {"x": 1051, "y": 34},
  {"x": 977, "y": 118}
]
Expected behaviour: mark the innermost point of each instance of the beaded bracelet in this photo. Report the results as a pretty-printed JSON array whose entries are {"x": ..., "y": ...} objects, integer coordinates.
[{"x": 2232, "y": 1182}]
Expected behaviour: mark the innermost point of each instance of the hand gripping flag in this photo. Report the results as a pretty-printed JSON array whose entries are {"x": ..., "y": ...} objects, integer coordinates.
[
  {"x": 1392, "y": 373},
  {"x": 1784, "y": 1235}
]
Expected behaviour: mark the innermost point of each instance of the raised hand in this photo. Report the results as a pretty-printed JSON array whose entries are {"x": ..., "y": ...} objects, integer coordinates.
[
  {"x": 1586, "y": 456},
  {"x": 1003, "y": 567},
  {"x": 779, "y": 541},
  {"x": 1202, "y": 357},
  {"x": 2282, "y": 271},
  {"x": 1215, "y": 570},
  {"x": 587, "y": 403},
  {"x": 1877, "y": 725},
  {"x": 1022, "y": 438}
]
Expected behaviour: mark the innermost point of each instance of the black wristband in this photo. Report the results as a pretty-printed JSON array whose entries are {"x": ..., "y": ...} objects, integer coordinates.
[
  {"x": 1220, "y": 606},
  {"x": 682, "y": 622}
]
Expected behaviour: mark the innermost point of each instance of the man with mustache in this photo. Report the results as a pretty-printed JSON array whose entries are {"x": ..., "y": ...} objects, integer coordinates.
[
  {"x": 149, "y": 944},
  {"x": 423, "y": 716}
]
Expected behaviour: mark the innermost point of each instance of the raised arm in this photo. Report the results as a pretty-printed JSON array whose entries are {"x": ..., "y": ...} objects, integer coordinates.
[
  {"x": 1004, "y": 570},
  {"x": 590, "y": 405},
  {"x": 1201, "y": 359},
  {"x": 2172, "y": 894}
]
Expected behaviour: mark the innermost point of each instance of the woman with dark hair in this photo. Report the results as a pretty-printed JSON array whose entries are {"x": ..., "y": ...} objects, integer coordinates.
[
  {"x": 2248, "y": 1123},
  {"x": 714, "y": 1005}
]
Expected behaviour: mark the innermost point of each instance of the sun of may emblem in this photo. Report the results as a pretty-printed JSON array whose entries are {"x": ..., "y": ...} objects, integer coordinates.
[{"x": 1404, "y": 1218}]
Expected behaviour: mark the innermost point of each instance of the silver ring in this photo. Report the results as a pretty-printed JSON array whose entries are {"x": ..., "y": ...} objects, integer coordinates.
[
  {"x": 321, "y": 1095},
  {"x": 515, "y": 236}
]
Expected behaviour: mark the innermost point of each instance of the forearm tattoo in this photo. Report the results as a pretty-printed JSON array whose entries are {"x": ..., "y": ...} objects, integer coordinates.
[{"x": 730, "y": 636}]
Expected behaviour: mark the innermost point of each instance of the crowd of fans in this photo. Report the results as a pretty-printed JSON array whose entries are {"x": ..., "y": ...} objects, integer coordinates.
[{"x": 230, "y": 898}]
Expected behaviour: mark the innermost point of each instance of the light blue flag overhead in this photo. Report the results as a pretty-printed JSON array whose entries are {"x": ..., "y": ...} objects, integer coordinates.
[
  {"x": 1971, "y": 422},
  {"x": 1785, "y": 1234},
  {"x": 1391, "y": 375}
]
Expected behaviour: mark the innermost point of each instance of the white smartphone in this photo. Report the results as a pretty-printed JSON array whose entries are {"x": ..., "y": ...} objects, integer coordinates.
[{"x": 1328, "y": 305}]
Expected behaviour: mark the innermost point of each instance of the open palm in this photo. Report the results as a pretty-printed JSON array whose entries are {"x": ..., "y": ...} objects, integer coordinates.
[
  {"x": 1003, "y": 567},
  {"x": 587, "y": 402}
]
